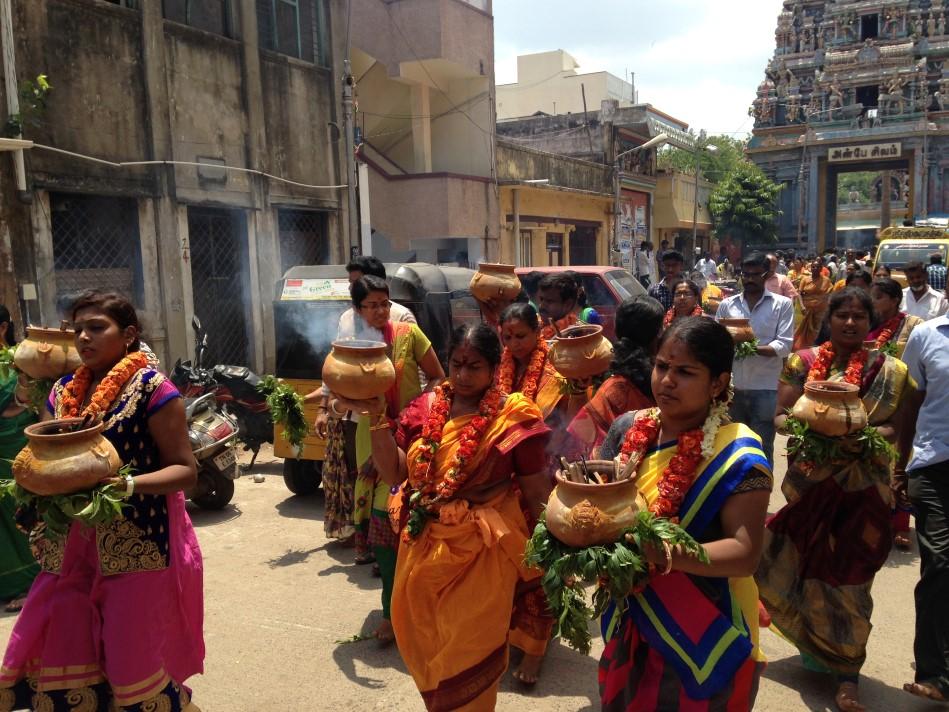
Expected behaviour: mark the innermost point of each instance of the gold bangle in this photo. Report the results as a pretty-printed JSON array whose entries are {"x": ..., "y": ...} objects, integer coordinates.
[
  {"x": 381, "y": 424},
  {"x": 668, "y": 549}
]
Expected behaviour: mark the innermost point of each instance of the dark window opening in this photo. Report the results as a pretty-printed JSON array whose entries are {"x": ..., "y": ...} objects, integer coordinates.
[
  {"x": 868, "y": 96},
  {"x": 130, "y": 4},
  {"x": 869, "y": 27},
  {"x": 208, "y": 15},
  {"x": 555, "y": 249},
  {"x": 290, "y": 27},
  {"x": 302, "y": 238}
]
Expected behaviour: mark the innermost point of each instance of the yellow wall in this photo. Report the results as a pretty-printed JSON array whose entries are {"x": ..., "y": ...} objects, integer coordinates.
[{"x": 559, "y": 207}]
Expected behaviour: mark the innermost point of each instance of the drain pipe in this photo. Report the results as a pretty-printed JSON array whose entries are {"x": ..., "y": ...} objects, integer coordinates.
[{"x": 12, "y": 90}]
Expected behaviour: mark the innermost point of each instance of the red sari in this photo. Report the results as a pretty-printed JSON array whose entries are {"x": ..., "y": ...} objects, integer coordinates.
[{"x": 616, "y": 396}]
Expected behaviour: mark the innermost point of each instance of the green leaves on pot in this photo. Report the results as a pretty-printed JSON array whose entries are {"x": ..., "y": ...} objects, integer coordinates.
[
  {"x": 286, "y": 409},
  {"x": 745, "y": 349},
  {"x": 807, "y": 446},
  {"x": 617, "y": 569}
]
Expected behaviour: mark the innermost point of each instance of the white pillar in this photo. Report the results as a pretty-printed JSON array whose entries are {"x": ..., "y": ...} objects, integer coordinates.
[{"x": 422, "y": 128}]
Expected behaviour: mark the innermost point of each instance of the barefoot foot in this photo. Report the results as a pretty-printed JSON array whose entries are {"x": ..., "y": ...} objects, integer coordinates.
[
  {"x": 924, "y": 690},
  {"x": 902, "y": 542},
  {"x": 384, "y": 633},
  {"x": 528, "y": 672},
  {"x": 847, "y": 698}
]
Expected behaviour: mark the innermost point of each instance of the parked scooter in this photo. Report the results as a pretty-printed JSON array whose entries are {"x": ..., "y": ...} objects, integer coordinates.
[
  {"x": 212, "y": 434},
  {"x": 234, "y": 388}
]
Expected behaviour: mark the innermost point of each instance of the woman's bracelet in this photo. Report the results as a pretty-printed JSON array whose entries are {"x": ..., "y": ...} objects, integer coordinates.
[
  {"x": 337, "y": 413},
  {"x": 381, "y": 424},
  {"x": 129, "y": 487}
]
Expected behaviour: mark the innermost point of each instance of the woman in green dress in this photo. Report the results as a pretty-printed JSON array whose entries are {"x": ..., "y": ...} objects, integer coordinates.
[{"x": 17, "y": 566}]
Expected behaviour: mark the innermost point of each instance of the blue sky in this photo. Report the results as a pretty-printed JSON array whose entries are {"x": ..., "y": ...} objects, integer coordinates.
[{"x": 699, "y": 60}]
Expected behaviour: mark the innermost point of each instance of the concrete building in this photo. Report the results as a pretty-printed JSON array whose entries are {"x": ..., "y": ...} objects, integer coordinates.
[
  {"x": 238, "y": 83},
  {"x": 854, "y": 86},
  {"x": 548, "y": 82},
  {"x": 425, "y": 78},
  {"x": 675, "y": 208},
  {"x": 609, "y": 132}
]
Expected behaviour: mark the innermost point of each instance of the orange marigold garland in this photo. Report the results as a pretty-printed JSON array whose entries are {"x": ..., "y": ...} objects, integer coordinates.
[
  {"x": 430, "y": 489},
  {"x": 887, "y": 331},
  {"x": 825, "y": 359},
  {"x": 530, "y": 381},
  {"x": 109, "y": 388},
  {"x": 671, "y": 315}
]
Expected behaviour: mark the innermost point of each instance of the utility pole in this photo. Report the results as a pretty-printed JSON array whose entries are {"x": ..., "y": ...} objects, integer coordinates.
[{"x": 349, "y": 131}]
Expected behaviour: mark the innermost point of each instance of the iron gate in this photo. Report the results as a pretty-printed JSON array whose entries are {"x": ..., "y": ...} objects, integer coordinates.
[
  {"x": 95, "y": 246},
  {"x": 220, "y": 279},
  {"x": 302, "y": 238}
]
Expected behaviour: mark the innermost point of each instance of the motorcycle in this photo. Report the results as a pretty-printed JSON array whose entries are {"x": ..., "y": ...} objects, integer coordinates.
[
  {"x": 234, "y": 388},
  {"x": 212, "y": 433}
]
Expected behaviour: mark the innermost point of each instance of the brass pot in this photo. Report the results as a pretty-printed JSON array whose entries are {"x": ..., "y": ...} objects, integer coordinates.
[
  {"x": 358, "y": 370},
  {"x": 582, "y": 515},
  {"x": 581, "y": 352},
  {"x": 494, "y": 283},
  {"x": 831, "y": 408},
  {"x": 57, "y": 462},
  {"x": 740, "y": 329},
  {"x": 47, "y": 353}
]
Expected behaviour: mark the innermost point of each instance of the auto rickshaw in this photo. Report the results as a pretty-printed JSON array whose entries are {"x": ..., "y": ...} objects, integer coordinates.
[{"x": 306, "y": 315}]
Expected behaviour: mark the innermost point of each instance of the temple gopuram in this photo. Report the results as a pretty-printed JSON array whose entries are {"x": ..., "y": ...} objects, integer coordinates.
[{"x": 855, "y": 86}]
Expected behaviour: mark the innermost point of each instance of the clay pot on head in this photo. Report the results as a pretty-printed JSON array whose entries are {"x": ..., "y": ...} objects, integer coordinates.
[
  {"x": 56, "y": 461},
  {"x": 831, "y": 408},
  {"x": 582, "y": 515},
  {"x": 358, "y": 370},
  {"x": 740, "y": 329},
  {"x": 494, "y": 283},
  {"x": 581, "y": 352},
  {"x": 47, "y": 353}
]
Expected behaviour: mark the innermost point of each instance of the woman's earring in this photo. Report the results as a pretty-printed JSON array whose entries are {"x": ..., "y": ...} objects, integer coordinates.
[{"x": 127, "y": 348}]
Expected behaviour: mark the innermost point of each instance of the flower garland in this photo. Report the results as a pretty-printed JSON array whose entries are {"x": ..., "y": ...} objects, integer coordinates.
[
  {"x": 106, "y": 392},
  {"x": 693, "y": 447},
  {"x": 671, "y": 315},
  {"x": 530, "y": 381},
  {"x": 825, "y": 359},
  {"x": 889, "y": 329},
  {"x": 429, "y": 488}
]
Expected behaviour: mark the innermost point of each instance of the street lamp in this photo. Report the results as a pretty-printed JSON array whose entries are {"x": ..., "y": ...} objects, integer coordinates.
[
  {"x": 701, "y": 143},
  {"x": 651, "y": 143}
]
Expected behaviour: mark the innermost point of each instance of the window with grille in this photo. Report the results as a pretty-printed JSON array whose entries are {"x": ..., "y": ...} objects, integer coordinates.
[
  {"x": 96, "y": 245},
  {"x": 208, "y": 15},
  {"x": 291, "y": 27},
  {"x": 302, "y": 238}
]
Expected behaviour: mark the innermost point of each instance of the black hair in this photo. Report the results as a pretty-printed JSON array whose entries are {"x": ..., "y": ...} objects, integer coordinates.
[
  {"x": 859, "y": 273},
  {"x": 368, "y": 265},
  {"x": 581, "y": 292},
  {"x": 708, "y": 341},
  {"x": 914, "y": 266},
  {"x": 848, "y": 294},
  {"x": 884, "y": 268},
  {"x": 115, "y": 306},
  {"x": 6, "y": 319},
  {"x": 673, "y": 255},
  {"x": 757, "y": 259},
  {"x": 638, "y": 323},
  {"x": 693, "y": 287},
  {"x": 367, "y": 283},
  {"x": 520, "y": 311},
  {"x": 481, "y": 337},
  {"x": 563, "y": 282},
  {"x": 890, "y": 287},
  {"x": 935, "y": 258}
]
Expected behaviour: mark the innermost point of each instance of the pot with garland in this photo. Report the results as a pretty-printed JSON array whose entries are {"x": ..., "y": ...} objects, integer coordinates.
[
  {"x": 581, "y": 352},
  {"x": 597, "y": 525}
]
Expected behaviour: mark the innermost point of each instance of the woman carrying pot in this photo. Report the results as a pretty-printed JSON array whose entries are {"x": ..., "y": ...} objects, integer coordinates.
[
  {"x": 713, "y": 477},
  {"x": 686, "y": 302},
  {"x": 815, "y": 290},
  {"x": 18, "y": 568},
  {"x": 409, "y": 350},
  {"x": 638, "y": 324},
  {"x": 471, "y": 459},
  {"x": 114, "y": 619},
  {"x": 824, "y": 547}
]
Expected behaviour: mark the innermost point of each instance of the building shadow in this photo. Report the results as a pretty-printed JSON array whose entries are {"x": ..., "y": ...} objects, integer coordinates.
[{"x": 298, "y": 506}]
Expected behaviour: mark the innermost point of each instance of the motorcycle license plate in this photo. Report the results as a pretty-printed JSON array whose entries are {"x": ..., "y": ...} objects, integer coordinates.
[{"x": 225, "y": 461}]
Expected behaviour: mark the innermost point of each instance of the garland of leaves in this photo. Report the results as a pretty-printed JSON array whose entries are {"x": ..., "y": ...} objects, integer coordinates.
[
  {"x": 286, "y": 410},
  {"x": 618, "y": 569},
  {"x": 808, "y": 448},
  {"x": 100, "y": 505},
  {"x": 745, "y": 349}
]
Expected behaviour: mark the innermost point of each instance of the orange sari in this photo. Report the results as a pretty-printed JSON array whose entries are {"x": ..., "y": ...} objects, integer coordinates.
[
  {"x": 815, "y": 296},
  {"x": 455, "y": 583}
]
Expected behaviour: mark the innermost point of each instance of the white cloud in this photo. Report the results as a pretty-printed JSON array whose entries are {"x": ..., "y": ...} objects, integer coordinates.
[{"x": 699, "y": 60}]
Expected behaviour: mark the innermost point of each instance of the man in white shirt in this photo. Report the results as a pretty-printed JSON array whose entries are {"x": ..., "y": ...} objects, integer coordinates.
[
  {"x": 755, "y": 378},
  {"x": 646, "y": 268},
  {"x": 920, "y": 299},
  {"x": 707, "y": 267}
]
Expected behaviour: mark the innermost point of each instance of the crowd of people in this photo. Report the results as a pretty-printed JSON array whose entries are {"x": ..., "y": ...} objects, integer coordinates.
[{"x": 439, "y": 484}]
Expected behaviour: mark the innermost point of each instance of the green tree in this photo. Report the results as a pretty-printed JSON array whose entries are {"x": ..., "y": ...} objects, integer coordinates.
[
  {"x": 744, "y": 205},
  {"x": 716, "y": 165}
]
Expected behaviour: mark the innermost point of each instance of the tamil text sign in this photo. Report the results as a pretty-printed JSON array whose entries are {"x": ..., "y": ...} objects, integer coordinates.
[{"x": 870, "y": 152}]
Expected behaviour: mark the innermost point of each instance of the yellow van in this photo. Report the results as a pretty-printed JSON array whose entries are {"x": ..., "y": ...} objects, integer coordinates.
[{"x": 901, "y": 245}]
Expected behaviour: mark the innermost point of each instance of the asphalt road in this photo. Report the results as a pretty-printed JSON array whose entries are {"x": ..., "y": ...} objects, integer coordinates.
[{"x": 278, "y": 597}]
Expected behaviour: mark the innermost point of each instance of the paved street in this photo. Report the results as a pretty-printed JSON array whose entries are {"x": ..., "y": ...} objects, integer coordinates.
[{"x": 278, "y": 596}]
